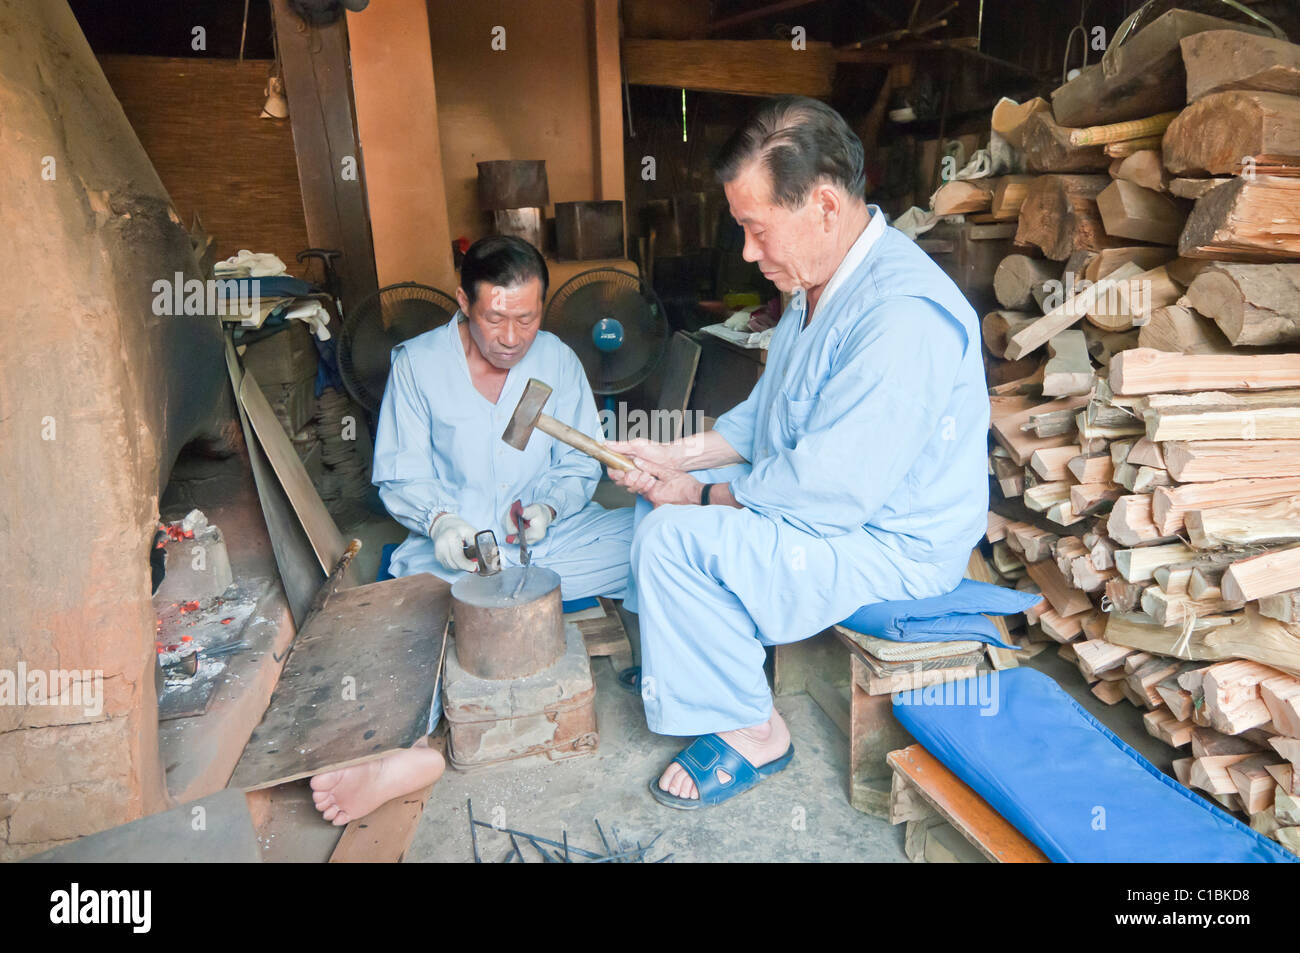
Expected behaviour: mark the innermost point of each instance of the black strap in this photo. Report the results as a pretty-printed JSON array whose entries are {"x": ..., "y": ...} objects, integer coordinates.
[{"x": 704, "y": 494}]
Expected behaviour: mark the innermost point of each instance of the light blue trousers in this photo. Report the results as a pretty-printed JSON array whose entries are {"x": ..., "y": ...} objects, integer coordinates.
[{"x": 715, "y": 584}]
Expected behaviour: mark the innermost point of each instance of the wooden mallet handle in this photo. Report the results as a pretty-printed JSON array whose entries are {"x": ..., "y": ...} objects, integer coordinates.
[{"x": 580, "y": 441}]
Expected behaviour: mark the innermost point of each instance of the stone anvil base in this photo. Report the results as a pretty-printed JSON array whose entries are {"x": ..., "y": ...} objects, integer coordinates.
[{"x": 551, "y": 713}]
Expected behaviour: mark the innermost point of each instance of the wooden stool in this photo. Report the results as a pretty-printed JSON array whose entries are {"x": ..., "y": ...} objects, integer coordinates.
[
  {"x": 604, "y": 633},
  {"x": 929, "y": 799}
]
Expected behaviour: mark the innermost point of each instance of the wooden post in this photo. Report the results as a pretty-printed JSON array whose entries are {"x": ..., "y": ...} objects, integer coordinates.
[{"x": 315, "y": 63}]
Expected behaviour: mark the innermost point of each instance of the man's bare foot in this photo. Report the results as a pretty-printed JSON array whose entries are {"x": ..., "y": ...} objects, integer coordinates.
[
  {"x": 758, "y": 745},
  {"x": 351, "y": 793}
]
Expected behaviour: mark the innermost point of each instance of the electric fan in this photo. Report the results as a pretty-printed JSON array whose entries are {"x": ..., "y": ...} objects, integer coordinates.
[
  {"x": 382, "y": 321},
  {"x": 614, "y": 322}
]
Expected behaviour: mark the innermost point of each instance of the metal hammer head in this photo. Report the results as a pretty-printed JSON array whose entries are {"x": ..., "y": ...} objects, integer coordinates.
[{"x": 525, "y": 416}]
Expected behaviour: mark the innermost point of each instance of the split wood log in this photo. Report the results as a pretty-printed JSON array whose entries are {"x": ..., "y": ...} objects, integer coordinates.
[
  {"x": 963, "y": 196},
  {"x": 1009, "y": 194},
  {"x": 1049, "y": 148},
  {"x": 1050, "y": 465},
  {"x": 1139, "y": 565},
  {"x": 1009, "y": 118},
  {"x": 1233, "y": 133},
  {"x": 1065, "y": 600},
  {"x": 1275, "y": 522},
  {"x": 1219, "y": 60},
  {"x": 1245, "y": 220},
  {"x": 1242, "y": 635},
  {"x": 1145, "y": 168},
  {"x": 1264, "y": 575},
  {"x": 1206, "y": 461},
  {"x": 1105, "y": 262},
  {"x": 1130, "y": 211},
  {"x": 1009, "y": 415},
  {"x": 1219, "y": 415},
  {"x": 1060, "y": 215},
  {"x": 1195, "y": 188},
  {"x": 1146, "y": 371},
  {"x": 1169, "y": 504},
  {"x": 1285, "y": 606},
  {"x": 1069, "y": 369},
  {"x": 1253, "y": 781},
  {"x": 1091, "y": 469},
  {"x": 1125, "y": 303},
  {"x": 1232, "y": 697},
  {"x": 1131, "y": 523},
  {"x": 1251, "y": 304},
  {"x": 1281, "y": 696},
  {"x": 1079, "y": 300}
]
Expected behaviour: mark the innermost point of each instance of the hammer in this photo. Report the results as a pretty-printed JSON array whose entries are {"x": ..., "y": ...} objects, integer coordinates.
[{"x": 528, "y": 415}]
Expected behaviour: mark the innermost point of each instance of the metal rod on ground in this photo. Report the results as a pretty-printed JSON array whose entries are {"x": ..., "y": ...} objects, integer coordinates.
[
  {"x": 601, "y": 832},
  {"x": 546, "y": 858},
  {"x": 621, "y": 857},
  {"x": 541, "y": 840},
  {"x": 473, "y": 834},
  {"x": 515, "y": 844}
]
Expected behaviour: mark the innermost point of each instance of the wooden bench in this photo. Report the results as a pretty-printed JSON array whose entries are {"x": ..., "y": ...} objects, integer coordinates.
[{"x": 924, "y": 793}]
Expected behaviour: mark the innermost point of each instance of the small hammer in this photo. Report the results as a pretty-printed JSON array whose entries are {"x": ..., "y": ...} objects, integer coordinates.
[{"x": 528, "y": 415}]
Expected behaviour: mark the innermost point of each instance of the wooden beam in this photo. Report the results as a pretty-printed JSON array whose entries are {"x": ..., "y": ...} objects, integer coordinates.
[
  {"x": 745, "y": 67},
  {"x": 607, "y": 100},
  {"x": 961, "y": 807},
  {"x": 318, "y": 87}
]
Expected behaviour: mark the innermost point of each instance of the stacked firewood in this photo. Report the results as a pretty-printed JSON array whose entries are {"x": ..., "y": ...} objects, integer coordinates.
[{"x": 1145, "y": 400}]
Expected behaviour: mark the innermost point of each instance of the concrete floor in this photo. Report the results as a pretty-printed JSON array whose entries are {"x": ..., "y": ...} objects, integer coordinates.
[{"x": 802, "y": 814}]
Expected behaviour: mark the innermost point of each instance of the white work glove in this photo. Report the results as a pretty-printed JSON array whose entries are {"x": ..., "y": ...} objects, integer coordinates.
[
  {"x": 450, "y": 535},
  {"x": 538, "y": 516}
]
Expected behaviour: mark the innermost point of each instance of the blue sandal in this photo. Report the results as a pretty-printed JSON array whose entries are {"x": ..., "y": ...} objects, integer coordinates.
[{"x": 702, "y": 759}]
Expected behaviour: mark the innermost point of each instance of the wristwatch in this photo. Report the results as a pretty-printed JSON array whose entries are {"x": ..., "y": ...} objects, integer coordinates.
[{"x": 704, "y": 494}]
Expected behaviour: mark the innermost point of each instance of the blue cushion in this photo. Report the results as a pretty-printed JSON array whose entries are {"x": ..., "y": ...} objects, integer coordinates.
[
  {"x": 385, "y": 560},
  {"x": 1064, "y": 780},
  {"x": 959, "y": 615}
]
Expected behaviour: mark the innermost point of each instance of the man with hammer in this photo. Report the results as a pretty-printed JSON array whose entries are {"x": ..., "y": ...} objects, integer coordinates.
[
  {"x": 444, "y": 472},
  {"x": 854, "y": 473}
]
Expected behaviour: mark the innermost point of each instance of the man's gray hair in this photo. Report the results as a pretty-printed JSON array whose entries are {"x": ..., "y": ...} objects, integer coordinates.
[{"x": 800, "y": 142}]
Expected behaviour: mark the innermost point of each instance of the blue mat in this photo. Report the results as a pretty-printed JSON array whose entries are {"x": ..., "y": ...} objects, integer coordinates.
[
  {"x": 1064, "y": 780},
  {"x": 956, "y": 616}
]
